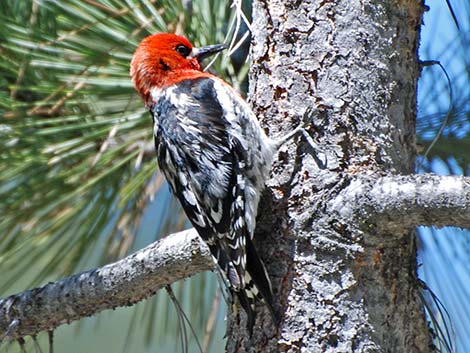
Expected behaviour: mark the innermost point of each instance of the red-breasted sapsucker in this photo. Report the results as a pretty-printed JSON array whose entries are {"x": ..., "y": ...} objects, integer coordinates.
[{"x": 213, "y": 153}]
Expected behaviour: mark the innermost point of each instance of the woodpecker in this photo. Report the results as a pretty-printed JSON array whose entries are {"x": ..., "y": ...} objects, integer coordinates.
[{"x": 213, "y": 153}]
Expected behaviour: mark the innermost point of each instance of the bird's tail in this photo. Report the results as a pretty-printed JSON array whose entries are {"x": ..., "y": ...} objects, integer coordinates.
[{"x": 257, "y": 287}]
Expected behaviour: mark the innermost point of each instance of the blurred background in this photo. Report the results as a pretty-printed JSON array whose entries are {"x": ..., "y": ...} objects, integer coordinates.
[
  {"x": 79, "y": 185},
  {"x": 443, "y": 130}
]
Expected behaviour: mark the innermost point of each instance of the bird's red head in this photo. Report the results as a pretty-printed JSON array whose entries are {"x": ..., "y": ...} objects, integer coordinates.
[{"x": 164, "y": 59}]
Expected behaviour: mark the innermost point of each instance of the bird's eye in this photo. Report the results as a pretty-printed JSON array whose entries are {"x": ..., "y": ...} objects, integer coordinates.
[{"x": 183, "y": 50}]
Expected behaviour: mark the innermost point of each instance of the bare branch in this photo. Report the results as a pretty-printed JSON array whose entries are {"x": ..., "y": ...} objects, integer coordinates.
[
  {"x": 397, "y": 203},
  {"x": 122, "y": 283}
]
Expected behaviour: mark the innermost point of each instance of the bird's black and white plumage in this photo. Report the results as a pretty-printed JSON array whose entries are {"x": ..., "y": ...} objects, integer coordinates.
[{"x": 216, "y": 158}]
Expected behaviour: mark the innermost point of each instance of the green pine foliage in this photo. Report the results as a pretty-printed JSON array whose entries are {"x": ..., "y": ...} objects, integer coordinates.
[{"x": 79, "y": 181}]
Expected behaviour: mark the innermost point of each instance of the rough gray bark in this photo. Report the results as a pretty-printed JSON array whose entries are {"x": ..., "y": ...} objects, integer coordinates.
[
  {"x": 397, "y": 204},
  {"x": 342, "y": 284},
  {"x": 122, "y": 283},
  {"x": 335, "y": 234}
]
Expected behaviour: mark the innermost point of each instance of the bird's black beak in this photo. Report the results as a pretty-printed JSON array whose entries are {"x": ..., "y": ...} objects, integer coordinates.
[{"x": 204, "y": 52}]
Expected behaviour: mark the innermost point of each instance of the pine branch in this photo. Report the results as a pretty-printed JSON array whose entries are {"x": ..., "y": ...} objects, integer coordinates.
[
  {"x": 123, "y": 283},
  {"x": 399, "y": 203}
]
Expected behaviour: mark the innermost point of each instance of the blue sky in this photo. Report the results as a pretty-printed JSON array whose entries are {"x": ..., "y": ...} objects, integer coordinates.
[{"x": 445, "y": 254}]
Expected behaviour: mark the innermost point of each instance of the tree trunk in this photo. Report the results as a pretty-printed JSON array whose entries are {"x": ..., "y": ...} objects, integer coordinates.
[{"x": 344, "y": 283}]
